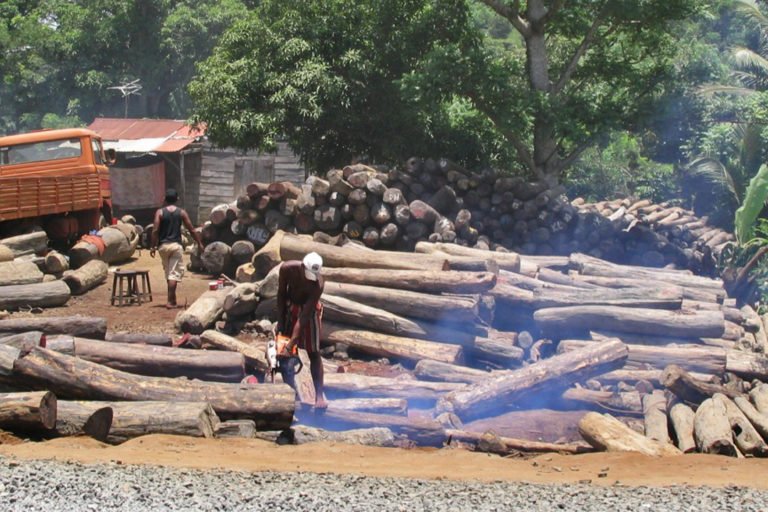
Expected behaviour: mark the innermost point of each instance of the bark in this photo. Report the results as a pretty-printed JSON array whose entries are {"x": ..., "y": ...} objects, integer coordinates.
[
  {"x": 689, "y": 292},
  {"x": 758, "y": 420},
  {"x": 627, "y": 403},
  {"x": 490, "y": 442},
  {"x": 56, "y": 263},
  {"x": 396, "y": 406},
  {"x": 439, "y": 371},
  {"x": 19, "y": 272},
  {"x": 712, "y": 430},
  {"x": 217, "y": 258},
  {"x": 72, "y": 419},
  {"x": 86, "y": 277},
  {"x": 161, "y": 340},
  {"x": 235, "y": 428},
  {"x": 383, "y": 345},
  {"x": 270, "y": 406},
  {"x": 449, "y": 281},
  {"x": 423, "y": 431},
  {"x": 119, "y": 243},
  {"x": 75, "y": 325},
  {"x": 681, "y": 417},
  {"x": 43, "y": 295},
  {"x": 506, "y": 261},
  {"x": 556, "y": 373},
  {"x": 31, "y": 243},
  {"x": 655, "y": 416},
  {"x": 350, "y": 385},
  {"x": 606, "y": 433},
  {"x": 138, "y": 418},
  {"x": 25, "y": 341},
  {"x": 747, "y": 365},
  {"x": 706, "y": 324},
  {"x": 202, "y": 313},
  {"x": 690, "y": 389},
  {"x": 498, "y": 347},
  {"x": 206, "y": 365},
  {"x": 632, "y": 377},
  {"x": 376, "y": 436},
  {"x": 747, "y": 439},
  {"x": 241, "y": 300},
  {"x": 255, "y": 358},
  {"x": 25, "y": 411}
]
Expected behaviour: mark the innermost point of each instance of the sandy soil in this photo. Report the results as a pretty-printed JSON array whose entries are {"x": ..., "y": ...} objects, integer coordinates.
[{"x": 256, "y": 455}]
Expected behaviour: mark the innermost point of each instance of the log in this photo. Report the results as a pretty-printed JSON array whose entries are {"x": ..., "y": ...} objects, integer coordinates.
[
  {"x": 75, "y": 325},
  {"x": 397, "y": 406},
  {"x": 655, "y": 416},
  {"x": 423, "y": 431},
  {"x": 6, "y": 254},
  {"x": 758, "y": 420},
  {"x": 747, "y": 365},
  {"x": 203, "y": 313},
  {"x": 448, "y": 281},
  {"x": 255, "y": 358},
  {"x": 86, "y": 277},
  {"x": 712, "y": 430},
  {"x": 241, "y": 300},
  {"x": 681, "y": 417},
  {"x": 628, "y": 403},
  {"x": 490, "y": 442},
  {"x": 42, "y": 295},
  {"x": 499, "y": 348},
  {"x": 25, "y": 411},
  {"x": 558, "y": 372},
  {"x": 705, "y": 324},
  {"x": 138, "y": 418},
  {"x": 606, "y": 433},
  {"x": 71, "y": 420},
  {"x": 31, "y": 243},
  {"x": 217, "y": 258},
  {"x": 376, "y": 436},
  {"x": 24, "y": 341},
  {"x": 689, "y": 293},
  {"x": 120, "y": 243},
  {"x": 646, "y": 339},
  {"x": 632, "y": 377},
  {"x": 746, "y": 438},
  {"x": 350, "y": 385},
  {"x": 19, "y": 272},
  {"x": 759, "y": 396},
  {"x": 161, "y": 340},
  {"x": 270, "y": 406},
  {"x": 56, "y": 263},
  {"x": 434, "y": 308},
  {"x": 690, "y": 389},
  {"x": 235, "y": 429},
  {"x": 439, "y": 371},
  {"x": 667, "y": 297},
  {"x": 383, "y": 345},
  {"x": 508, "y": 261},
  {"x": 61, "y": 343}
]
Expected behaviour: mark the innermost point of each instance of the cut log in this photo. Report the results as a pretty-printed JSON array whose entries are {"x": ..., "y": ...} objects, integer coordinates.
[
  {"x": 161, "y": 340},
  {"x": 120, "y": 242},
  {"x": 217, "y": 258},
  {"x": 449, "y": 281},
  {"x": 434, "y": 308},
  {"x": 647, "y": 339},
  {"x": 681, "y": 417},
  {"x": 270, "y": 406},
  {"x": 86, "y": 277},
  {"x": 606, "y": 433},
  {"x": 376, "y": 436},
  {"x": 561, "y": 321},
  {"x": 56, "y": 263},
  {"x": 747, "y": 365},
  {"x": 134, "y": 419},
  {"x": 632, "y": 377},
  {"x": 31, "y": 243},
  {"x": 490, "y": 442},
  {"x": 42, "y": 295},
  {"x": 758, "y": 420},
  {"x": 19, "y": 272},
  {"x": 397, "y": 406},
  {"x": 655, "y": 416},
  {"x": 759, "y": 397},
  {"x": 690, "y": 389},
  {"x": 558, "y": 372},
  {"x": 235, "y": 429},
  {"x": 27, "y": 411},
  {"x": 423, "y": 431},
  {"x": 627, "y": 403},
  {"x": 439, "y": 371},
  {"x": 24, "y": 341},
  {"x": 241, "y": 300},
  {"x": 203, "y": 313},
  {"x": 350, "y": 385},
  {"x": 747, "y": 439},
  {"x": 75, "y": 325},
  {"x": 509, "y": 261},
  {"x": 6, "y": 254},
  {"x": 498, "y": 347},
  {"x": 712, "y": 430},
  {"x": 255, "y": 358},
  {"x": 383, "y": 345},
  {"x": 689, "y": 293},
  {"x": 72, "y": 420}
]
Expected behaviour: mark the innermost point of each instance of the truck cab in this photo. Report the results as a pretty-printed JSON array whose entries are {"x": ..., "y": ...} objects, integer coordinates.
[{"x": 55, "y": 179}]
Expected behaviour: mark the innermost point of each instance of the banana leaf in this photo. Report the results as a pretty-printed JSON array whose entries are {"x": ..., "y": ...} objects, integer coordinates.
[{"x": 754, "y": 200}]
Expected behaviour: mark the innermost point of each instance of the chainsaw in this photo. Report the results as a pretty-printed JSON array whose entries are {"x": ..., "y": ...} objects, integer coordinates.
[{"x": 278, "y": 355}]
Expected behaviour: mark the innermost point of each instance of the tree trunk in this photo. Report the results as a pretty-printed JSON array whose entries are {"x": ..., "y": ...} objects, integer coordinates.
[
  {"x": 655, "y": 416},
  {"x": 202, "y": 313},
  {"x": 423, "y": 431},
  {"x": 119, "y": 243},
  {"x": 449, "y": 281},
  {"x": 31, "y": 243},
  {"x": 86, "y": 277},
  {"x": 506, "y": 260},
  {"x": 25, "y": 411},
  {"x": 758, "y": 420},
  {"x": 747, "y": 439},
  {"x": 235, "y": 428},
  {"x": 75, "y": 325},
  {"x": 556, "y": 373},
  {"x": 688, "y": 388},
  {"x": 689, "y": 292},
  {"x": 42, "y": 295},
  {"x": 606, "y": 433},
  {"x": 561, "y": 321},
  {"x": 759, "y": 396},
  {"x": 351, "y": 385},
  {"x": 627, "y": 403},
  {"x": 56, "y": 263},
  {"x": 747, "y": 365},
  {"x": 681, "y": 417},
  {"x": 383, "y": 345},
  {"x": 160, "y": 340},
  {"x": 241, "y": 300},
  {"x": 19, "y": 272},
  {"x": 25, "y": 341},
  {"x": 72, "y": 419},
  {"x": 6, "y": 254},
  {"x": 270, "y": 406},
  {"x": 712, "y": 430},
  {"x": 489, "y": 442},
  {"x": 134, "y": 419},
  {"x": 396, "y": 406},
  {"x": 439, "y": 371},
  {"x": 255, "y": 358}
]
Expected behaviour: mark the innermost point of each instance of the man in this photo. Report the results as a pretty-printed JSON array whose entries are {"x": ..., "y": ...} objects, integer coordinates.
[
  {"x": 166, "y": 238},
  {"x": 299, "y": 313}
]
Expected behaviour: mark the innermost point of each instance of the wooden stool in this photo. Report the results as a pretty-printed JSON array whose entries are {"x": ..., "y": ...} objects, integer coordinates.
[
  {"x": 124, "y": 288},
  {"x": 144, "y": 288}
]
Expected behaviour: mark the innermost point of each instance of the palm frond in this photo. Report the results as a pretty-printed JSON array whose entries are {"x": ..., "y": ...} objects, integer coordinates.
[
  {"x": 754, "y": 201},
  {"x": 750, "y": 147},
  {"x": 746, "y": 59},
  {"x": 713, "y": 172},
  {"x": 751, "y": 9}
]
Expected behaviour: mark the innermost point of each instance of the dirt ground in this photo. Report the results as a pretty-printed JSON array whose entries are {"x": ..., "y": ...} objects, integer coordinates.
[{"x": 256, "y": 455}]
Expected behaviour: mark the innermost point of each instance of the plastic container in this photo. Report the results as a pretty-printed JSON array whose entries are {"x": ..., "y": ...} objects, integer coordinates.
[{"x": 213, "y": 285}]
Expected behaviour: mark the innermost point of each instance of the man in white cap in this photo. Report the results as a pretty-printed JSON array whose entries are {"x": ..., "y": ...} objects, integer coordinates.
[{"x": 299, "y": 312}]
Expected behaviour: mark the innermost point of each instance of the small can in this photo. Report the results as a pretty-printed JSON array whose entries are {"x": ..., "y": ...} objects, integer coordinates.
[
  {"x": 220, "y": 284},
  {"x": 213, "y": 285}
]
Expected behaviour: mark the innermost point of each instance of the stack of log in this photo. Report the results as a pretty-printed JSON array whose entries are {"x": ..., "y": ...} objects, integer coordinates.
[{"x": 440, "y": 202}]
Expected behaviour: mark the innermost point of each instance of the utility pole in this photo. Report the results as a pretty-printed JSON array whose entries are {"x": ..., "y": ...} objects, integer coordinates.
[{"x": 127, "y": 89}]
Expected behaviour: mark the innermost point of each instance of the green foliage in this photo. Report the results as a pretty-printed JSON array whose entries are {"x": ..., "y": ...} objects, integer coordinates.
[
  {"x": 735, "y": 256},
  {"x": 619, "y": 169},
  {"x": 754, "y": 202}
]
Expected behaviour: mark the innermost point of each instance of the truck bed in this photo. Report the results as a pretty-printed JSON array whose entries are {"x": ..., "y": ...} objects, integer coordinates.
[{"x": 33, "y": 196}]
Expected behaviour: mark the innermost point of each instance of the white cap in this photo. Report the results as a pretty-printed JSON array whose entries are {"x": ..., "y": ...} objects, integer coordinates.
[{"x": 313, "y": 264}]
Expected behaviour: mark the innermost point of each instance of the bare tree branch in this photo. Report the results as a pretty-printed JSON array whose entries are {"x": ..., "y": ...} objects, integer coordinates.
[
  {"x": 510, "y": 13},
  {"x": 586, "y": 42}
]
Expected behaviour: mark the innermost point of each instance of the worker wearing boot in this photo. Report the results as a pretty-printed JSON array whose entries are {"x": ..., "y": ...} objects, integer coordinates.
[
  {"x": 300, "y": 313},
  {"x": 166, "y": 239}
]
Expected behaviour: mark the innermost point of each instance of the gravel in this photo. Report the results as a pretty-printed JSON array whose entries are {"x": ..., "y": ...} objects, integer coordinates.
[{"x": 58, "y": 486}]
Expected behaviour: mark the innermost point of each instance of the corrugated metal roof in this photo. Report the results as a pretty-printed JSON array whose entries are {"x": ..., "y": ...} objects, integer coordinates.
[{"x": 145, "y": 135}]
